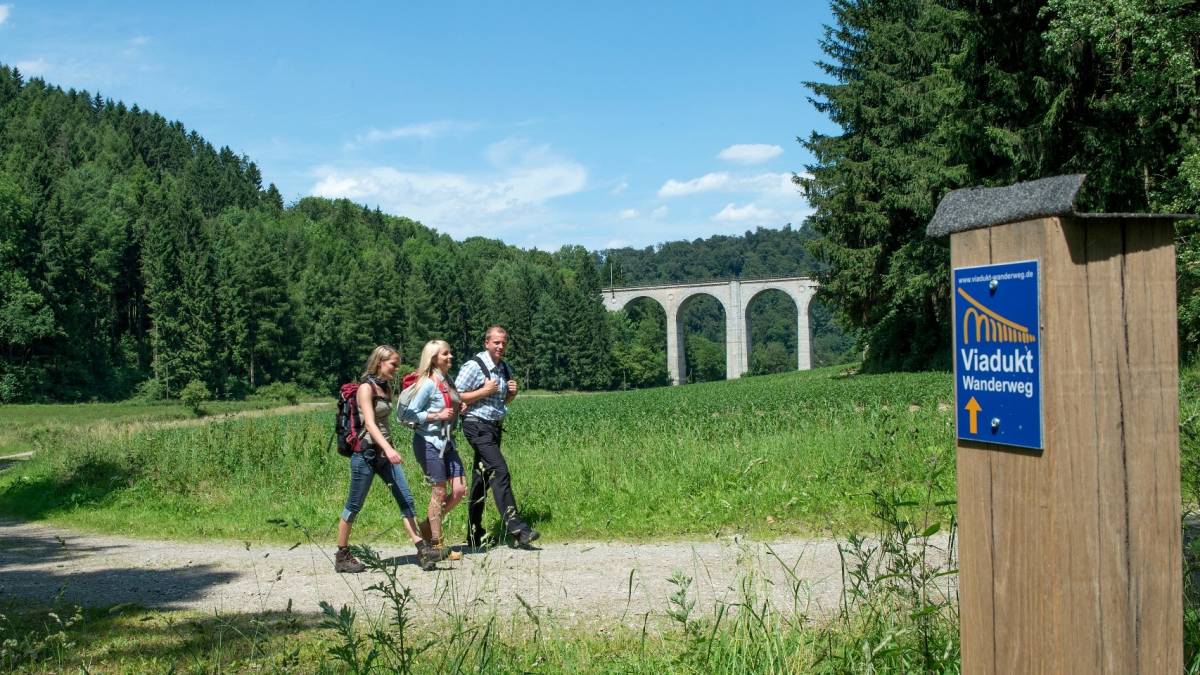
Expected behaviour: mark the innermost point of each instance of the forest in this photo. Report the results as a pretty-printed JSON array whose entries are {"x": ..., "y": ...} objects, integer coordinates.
[
  {"x": 934, "y": 95},
  {"x": 138, "y": 259}
]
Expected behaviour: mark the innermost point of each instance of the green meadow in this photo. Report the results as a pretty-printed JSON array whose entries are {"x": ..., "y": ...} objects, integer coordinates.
[
  {"x": 821, "y": 452},
  {"x": 33, "y": 426},
  {"x": 790, "y": 454}
]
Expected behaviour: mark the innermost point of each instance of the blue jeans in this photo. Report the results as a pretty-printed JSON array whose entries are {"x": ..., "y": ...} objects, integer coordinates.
[{"x": 364, "y": 466}]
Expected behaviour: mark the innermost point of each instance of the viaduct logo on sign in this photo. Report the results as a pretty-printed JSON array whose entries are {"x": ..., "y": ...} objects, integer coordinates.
[
  {"x": 997, "y": 383},
  {"x": 990, "y": 326}
]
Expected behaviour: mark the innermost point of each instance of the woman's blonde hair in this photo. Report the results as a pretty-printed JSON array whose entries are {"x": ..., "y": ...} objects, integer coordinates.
[
  {"x": 429, "y": 353},
  {"x": 378, "y": 356}
]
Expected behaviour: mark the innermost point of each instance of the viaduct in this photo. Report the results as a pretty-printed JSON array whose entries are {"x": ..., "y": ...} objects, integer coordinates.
[{"x": 735, "y": 297}]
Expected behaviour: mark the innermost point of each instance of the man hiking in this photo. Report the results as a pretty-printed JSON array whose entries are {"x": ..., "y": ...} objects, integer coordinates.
[{"x": 487, "y": 387}]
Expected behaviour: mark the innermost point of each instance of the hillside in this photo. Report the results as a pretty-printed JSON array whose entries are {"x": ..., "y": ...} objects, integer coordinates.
[{"x": 138, "y": 257}]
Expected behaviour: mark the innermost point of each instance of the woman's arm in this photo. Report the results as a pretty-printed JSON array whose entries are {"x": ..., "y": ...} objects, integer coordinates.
[
  {"x": 415, "y": 410},
  {"x": 366, "y": 407}
]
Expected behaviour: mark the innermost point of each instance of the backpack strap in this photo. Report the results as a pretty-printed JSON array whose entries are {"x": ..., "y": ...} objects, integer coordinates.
[{"x": 484, "y": 369}]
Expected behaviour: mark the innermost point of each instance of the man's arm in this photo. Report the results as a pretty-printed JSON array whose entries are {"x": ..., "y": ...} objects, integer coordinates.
[
  {"x": 489, "y": 387},
  {"x": 472, "y": 384}
]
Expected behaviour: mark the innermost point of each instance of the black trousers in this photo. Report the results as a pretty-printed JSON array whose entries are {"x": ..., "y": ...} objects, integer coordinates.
[{"x": 489, "y": 470}]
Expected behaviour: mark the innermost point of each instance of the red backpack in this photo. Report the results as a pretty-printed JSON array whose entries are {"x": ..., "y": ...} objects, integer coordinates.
[
  {"x": 348, "y": 426},
  {"x": 408, "y": 389}
]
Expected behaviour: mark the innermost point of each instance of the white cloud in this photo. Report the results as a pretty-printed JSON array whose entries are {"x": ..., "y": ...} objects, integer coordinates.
[
  {"x": 133, "y": 49},
  {"x": 750, "y": 153},
  {"x": 5, "y": 10},
  {"x": 705, "y": 183},
  {"x": 422, "y": 131},
  {"x": 616, "y": 243},
  {"x": 750, "y": 214},
  {"x": 628, "y": 214},
  {"x": 660, "y": 212},
  {"x": 33, "y": 68},
  {"x": 524, "y": 178},
  {"x": 619, "y": 188},
  {"x": 775, "y": 184},
  {"x": 779, "y": 184}
]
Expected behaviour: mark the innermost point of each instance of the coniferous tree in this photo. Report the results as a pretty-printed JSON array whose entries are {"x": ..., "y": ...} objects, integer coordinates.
[
  {"x": 547, "y": 362},
  {"x": 26, "y": 320},
  {"x": 875, "y": 185},
  {"x": 933, "y": 95}
]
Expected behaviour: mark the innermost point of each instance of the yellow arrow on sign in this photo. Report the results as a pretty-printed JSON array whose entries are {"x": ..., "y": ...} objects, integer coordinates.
[{"x": 973, "y": 407}]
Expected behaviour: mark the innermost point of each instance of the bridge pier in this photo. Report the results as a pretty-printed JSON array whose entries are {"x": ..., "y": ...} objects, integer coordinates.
[
  {"x": 803, "y": 332},
  {"x": 676, "y": 357},
  {"x": 737, "y": 334}
]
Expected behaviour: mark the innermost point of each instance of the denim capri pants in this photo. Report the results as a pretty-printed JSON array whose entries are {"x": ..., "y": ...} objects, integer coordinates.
[{"x": 364, "y": 466}]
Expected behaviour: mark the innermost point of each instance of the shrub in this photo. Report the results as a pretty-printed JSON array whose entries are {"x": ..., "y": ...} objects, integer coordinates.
[
  {"x": 150, "y": 390},
  {"x": 194, "y": 395},
  {"x": 282, "y": 391}
]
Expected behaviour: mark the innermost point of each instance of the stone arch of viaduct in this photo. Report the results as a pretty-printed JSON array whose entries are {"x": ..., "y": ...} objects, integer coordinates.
[{"x": 735, "y": 297}]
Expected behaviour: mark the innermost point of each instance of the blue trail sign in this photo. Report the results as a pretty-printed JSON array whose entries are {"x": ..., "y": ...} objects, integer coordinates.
[{"x": 997, "y": 362}]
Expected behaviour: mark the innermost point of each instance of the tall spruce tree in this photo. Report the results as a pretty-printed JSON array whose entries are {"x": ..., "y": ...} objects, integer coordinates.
[
  {"x": 936, "y": 95},
  {"x": 876, "y": 184},
  {"x": 26, "y": 320}
]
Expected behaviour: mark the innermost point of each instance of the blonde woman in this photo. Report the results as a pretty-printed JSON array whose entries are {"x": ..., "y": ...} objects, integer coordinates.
[
  {"x": 377, "y": 457},
  {"x": 433, "y": 409}
]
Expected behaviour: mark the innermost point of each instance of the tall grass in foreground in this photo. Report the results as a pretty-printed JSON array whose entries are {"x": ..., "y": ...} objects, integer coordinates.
[
  {"x": 1189, "y": 451},
  {"x": 768, "y": 456},
  {"x": 897, "y": 615}
]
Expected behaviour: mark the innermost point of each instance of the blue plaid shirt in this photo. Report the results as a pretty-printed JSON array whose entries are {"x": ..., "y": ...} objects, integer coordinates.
[{"x": 470, "y": 378}]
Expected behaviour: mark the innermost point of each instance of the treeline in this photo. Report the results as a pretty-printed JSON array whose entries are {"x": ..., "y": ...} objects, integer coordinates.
[
  {"x": 640, "y": 331},
  {"x": 136, "y": 258},
  {"x": 933, "y": 95}
]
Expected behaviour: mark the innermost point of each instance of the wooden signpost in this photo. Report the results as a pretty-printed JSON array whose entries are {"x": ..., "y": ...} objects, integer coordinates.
[{"x": 1069, "y": 538}]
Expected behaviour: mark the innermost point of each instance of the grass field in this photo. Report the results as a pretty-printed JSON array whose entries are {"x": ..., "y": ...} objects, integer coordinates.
[
  {"x": 34, "y": 426},
  {"x": 770, "y": 456}
]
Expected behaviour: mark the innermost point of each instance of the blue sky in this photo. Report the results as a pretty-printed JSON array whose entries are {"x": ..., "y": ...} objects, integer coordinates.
[{"x": 538, "y": 123}]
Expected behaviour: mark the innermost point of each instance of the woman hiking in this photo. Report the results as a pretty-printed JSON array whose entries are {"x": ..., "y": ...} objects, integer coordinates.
[
  {"x": 432, "y": 411},
  {"x": 377, "y": 457}
]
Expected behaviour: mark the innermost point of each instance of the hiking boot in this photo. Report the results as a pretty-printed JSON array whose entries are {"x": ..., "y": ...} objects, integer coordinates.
[
  {"x": 345, "y": 562},
  {"x": 438, "y": 550},
  {"x": 424, "y": 530},
  {"x": 526, "y": 537},
  {"x": 427, "y": 557}
]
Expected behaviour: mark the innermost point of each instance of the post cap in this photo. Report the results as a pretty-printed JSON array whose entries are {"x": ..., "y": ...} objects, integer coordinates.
[
  {"x": 979, "y": 207},
  {"x": 976, "y": 207}
]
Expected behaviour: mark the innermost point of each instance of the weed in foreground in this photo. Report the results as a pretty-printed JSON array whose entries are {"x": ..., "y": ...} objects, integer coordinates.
[{"x": 45, "y": 641}]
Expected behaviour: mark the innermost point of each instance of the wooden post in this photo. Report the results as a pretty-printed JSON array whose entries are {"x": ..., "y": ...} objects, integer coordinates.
[{"x": 1071, "y": 555}]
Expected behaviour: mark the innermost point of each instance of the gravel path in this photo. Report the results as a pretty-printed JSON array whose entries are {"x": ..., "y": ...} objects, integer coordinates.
[{"x": 571, "y": 582}]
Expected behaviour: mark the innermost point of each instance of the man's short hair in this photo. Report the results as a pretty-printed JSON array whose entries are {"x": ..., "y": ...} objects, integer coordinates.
[{"x": 494, "y": 328}]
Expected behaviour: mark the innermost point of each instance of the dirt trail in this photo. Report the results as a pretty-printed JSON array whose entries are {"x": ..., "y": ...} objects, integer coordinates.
[
  {"x": 197, "y": 421},
  {"x": 572, "y": 582}
]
